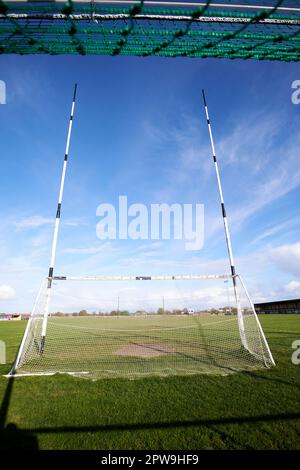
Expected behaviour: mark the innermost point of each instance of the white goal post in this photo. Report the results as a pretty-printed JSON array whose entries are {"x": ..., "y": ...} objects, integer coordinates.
[{"x": 173, "y": 324}]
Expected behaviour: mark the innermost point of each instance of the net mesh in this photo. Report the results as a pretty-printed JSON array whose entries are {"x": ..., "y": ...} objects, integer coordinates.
[
  {"x": 125, "y": 329},
  {"x": 269, "y": 31}
]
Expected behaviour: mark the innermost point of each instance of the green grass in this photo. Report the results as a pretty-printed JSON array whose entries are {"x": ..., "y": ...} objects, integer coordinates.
[{"x": 247, "y": 410}]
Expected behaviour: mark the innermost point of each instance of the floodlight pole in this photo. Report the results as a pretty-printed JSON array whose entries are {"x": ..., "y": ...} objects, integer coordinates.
[
  {"x": 226, "y": 228},
  {"x": 56, "y": 227}
]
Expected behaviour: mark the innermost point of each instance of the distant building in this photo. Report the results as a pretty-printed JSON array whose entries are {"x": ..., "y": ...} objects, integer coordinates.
[
  {"x": 10, "y": 316},
  {"x": 16, "y": 316},
  {"x": 188, "y": 311},
  {"x": 279, "y": 306}
]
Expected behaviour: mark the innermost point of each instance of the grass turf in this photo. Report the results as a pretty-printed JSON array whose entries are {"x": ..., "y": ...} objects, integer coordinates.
[{"x": 247, "y": 410}]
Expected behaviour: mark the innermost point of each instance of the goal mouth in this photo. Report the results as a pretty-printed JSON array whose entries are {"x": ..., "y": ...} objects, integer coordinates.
[{"x": 121, "y": 327}]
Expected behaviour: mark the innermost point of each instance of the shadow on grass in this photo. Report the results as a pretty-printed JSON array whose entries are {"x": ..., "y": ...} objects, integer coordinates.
[
  {"x": 166, "y": 425},
  {"x": 11, "y": 437},
  {"x": 265, "y": 378}
]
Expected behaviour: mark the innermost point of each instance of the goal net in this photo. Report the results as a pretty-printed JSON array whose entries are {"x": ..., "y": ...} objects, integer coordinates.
[{"x": 142, "y": 326}]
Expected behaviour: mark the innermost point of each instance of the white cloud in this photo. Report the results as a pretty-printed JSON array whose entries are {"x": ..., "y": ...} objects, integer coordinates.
[
  {"x": 34, "y": 221},
  {"x": 276, "y": 180},
  {"x": 41, "y": 240},
  {"x": 7, "y": 292},
  {"x": 246, "y": 138},
  {"x": 90, "y": 250},
  {"x": 276, "y": 229},
  {"x": 293, "y": 287},
  {"x": 151, "y": 247},
  {"x": 287, "y": 258},
  {"x": 73, "y": 222}
]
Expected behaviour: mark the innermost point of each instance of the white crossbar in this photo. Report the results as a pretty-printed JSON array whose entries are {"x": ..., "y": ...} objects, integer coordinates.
[{"x": 186, "y": 277}]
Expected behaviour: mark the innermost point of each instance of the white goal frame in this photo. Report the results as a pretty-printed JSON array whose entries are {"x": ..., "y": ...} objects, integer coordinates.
[
  {"x": 106, "y": 278},
  {"x": 51, "y": 277}
]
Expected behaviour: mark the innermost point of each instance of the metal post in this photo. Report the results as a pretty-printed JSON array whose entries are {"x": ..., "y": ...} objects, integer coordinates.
[
  {"x": 226, "y": 228},
  {"x": 56, "y": 227}
]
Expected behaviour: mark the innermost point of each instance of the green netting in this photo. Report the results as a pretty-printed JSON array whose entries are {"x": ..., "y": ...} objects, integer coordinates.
[{"x": 268, "y": 31}]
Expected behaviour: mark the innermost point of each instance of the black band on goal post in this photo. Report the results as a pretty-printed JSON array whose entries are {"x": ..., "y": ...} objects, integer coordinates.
[
  {"x": 226, "y": 228},
  {"x": 56, "y": 227}
]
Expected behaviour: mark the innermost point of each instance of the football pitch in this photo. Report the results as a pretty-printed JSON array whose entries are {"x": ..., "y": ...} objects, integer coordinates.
[{"x": 227, "y": 408}]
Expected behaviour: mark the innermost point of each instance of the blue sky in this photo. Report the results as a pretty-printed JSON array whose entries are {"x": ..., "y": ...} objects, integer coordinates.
[{"x": 139, "y": 130}]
